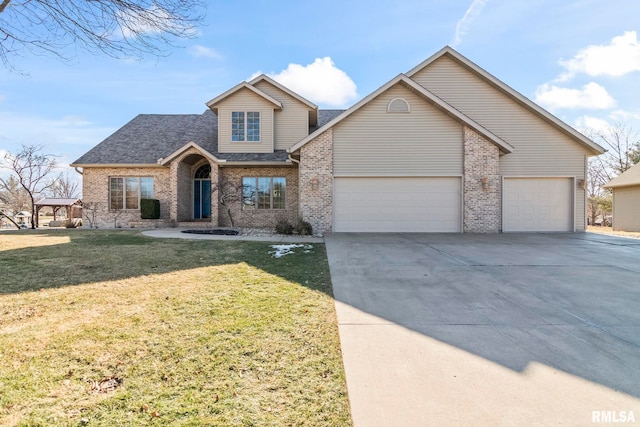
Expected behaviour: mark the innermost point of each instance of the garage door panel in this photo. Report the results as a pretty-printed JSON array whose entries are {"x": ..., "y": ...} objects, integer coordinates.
[
  {"x": 538, "y": 204},
  {"x": 397, "y": 204}
]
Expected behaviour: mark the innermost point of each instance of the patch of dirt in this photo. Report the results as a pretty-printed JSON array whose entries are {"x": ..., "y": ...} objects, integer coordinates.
[
  {"x": 105, "y": 385},
  {"x": 609, "y": 231},
  {"x": 17, "y": 314}
]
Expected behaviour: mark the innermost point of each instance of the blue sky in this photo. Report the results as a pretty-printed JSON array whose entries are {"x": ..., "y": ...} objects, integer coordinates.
[{"x": 580, "y": 59}]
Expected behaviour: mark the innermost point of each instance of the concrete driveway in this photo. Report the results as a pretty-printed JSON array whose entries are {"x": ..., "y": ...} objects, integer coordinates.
[{"x": 509, "y": 329}]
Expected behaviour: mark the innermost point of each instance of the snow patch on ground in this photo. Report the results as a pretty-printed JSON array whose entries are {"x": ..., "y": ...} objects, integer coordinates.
[{"x": 282, "y": 250}]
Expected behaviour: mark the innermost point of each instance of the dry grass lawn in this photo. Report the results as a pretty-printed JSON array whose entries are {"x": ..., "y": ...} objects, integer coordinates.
[
  {"x": 609, "y": 230},
  {"x": 112, "y": 328}
]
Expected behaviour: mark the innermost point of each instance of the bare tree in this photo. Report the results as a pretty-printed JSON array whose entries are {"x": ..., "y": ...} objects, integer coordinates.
[
  {"x": 622, "y": 143},
  {"x": 15, "y": 196},
  {"x": 89, "y": 211},
  {"x": 118, "y": 28},
  {"x": 61, "y": 187},
  {"x": 32, "y": 168},
  {"x": 623, "y": 151},
  {"x": 228, "y": 193}
]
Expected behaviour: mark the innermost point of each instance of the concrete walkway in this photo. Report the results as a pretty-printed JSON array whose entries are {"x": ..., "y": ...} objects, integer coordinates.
[
  {"x": 500, "y": 330},
  {"x": 176, "y": 233}
]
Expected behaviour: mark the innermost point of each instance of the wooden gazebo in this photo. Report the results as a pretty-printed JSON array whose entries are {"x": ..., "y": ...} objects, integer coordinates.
[{"x": 73, "y": 206}]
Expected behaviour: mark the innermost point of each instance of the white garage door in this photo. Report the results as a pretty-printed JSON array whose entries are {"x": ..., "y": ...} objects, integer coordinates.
[
  {"x": 397, "y": 204},
  {"x": 537, "y": 204}
]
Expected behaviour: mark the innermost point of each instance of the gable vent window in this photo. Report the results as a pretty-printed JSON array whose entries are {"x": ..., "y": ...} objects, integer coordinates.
[{"x": 398, "y": 105}]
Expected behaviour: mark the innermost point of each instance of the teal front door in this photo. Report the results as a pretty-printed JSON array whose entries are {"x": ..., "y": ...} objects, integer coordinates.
[{"x": 202, "y": 193}]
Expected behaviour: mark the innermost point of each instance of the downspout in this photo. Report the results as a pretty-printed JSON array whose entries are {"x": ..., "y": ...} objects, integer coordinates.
[
  {"x": 80, "y": 172},
  {"x": 292, "y": 159}
]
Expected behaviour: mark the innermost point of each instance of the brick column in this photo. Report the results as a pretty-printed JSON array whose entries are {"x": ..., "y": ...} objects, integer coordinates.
[
  {"x": 482, "y": 185},
  {"x": 316, "y": 182},
  {"x": 215, "y": 196}
]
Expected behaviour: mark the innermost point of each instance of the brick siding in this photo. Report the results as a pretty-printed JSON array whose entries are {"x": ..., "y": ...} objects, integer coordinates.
[
  {"x": 230, "y": 184},
  {"x": 316, "y": 182},
  {"x": 95, "y": 190},
  {"x": 482, "y": 185}
]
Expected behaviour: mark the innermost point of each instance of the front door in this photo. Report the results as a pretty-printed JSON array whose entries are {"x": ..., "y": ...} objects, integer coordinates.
[{"x": 202, "y": 193}]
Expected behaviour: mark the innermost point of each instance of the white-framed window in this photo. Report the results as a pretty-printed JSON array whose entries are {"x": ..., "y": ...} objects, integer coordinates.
[
  {"x": 264, "y": 192},
  {"x": 126, "y": 192},
  {"x": 245, "y": 126}
]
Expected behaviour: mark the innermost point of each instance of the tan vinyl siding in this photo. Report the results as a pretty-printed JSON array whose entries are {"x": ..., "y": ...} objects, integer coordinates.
[
  {"x": 291, "y": 124},
  {"x": 245, "y": 100},
  {"x": 540, "y": 148},
  {"x": 626, "y": 208},
  {"x": 374, "y": 142}
]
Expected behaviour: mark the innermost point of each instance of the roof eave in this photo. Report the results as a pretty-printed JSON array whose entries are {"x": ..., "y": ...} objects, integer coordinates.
[
  {"x": 115, "y": 165},
  {"x": 259, "y": 163}
]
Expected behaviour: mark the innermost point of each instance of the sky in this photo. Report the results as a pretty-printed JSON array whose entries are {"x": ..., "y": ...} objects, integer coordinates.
[{"x": 579, "y": 59}]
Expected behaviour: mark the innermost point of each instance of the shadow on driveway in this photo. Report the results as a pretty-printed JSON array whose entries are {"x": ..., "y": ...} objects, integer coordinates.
[{"x": 500, "y": 329}]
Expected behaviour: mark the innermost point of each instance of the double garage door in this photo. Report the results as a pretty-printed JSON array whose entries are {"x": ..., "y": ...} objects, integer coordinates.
[
  {"x": 434, "y": 204},
  {"x": 397, "y": 204}
]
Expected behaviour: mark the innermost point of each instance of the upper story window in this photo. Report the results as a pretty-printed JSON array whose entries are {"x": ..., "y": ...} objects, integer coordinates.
[
  {"x": 245, "y": 126},
  {"x": 126, "y": 192}
]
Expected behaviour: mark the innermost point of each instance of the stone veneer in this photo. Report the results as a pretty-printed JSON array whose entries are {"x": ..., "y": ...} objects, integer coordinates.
[
  {"x": 230, "y": 181},
  {"x": 95, "y": 190},
  {"x": 482, "y": 185},
  {"x": 316, "y": 182}
]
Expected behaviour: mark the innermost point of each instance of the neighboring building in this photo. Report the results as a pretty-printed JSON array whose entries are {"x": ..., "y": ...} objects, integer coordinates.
[
  {"x": 446, "y": 147},
  {"x": 626, "y": 200}
]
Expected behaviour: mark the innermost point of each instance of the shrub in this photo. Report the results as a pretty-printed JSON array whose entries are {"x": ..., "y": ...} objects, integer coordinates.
[
  {"x": 149, "y": 208},
  {"x": 284, "y": 227},
  {"x": 70, "y": 224},
  {"x": 304, "y": 228}
]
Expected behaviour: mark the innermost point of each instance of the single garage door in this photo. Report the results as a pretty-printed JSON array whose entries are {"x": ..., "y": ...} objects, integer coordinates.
[
  {"x": 397, "y": 204},
  {"x": 537, "y": 204}
]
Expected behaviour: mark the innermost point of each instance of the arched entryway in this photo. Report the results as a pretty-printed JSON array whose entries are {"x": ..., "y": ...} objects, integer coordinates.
[{"x": 202, "y": 192}]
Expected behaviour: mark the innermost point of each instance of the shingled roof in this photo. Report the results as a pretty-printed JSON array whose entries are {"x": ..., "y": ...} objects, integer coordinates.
[{"x": 149, "y": 137}]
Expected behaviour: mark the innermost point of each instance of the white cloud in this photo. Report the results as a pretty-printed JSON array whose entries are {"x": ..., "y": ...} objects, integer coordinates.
[
  {"x": 625, "y": 116},
  {"x": 591, "y": 96},
  {"x": 620, "y": 57},
  {"x": 321, "y": 82},
  {"x": 462, "y": 27},
  {"x": 200, "y": 51},
  {"x": 592, "y": 124}
]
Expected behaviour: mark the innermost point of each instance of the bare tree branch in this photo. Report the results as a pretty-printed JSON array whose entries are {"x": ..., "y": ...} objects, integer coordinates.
[
  {"x": 32, "y": 168},
  {"x": 117, "y": 28}
]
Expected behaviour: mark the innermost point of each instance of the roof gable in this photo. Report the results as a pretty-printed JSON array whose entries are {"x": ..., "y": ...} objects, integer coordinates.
[
  {"x": 510, "y": 92},
  {"x": 213, "y": 104},
  {"x": 264, "y": 77},
  {"x": 165, "y": 161},
  {"x": 427, "y": 96},
  {"x": 311, "y": 107},
  {"x": 628, "y": 178}
]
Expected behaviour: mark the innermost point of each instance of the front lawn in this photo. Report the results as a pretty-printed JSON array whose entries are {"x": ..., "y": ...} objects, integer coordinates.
[{"x": 114, "y": 328}]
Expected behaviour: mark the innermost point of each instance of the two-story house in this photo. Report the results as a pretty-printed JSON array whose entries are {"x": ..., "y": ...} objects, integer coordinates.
[{"x": 445, "y": 147}]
